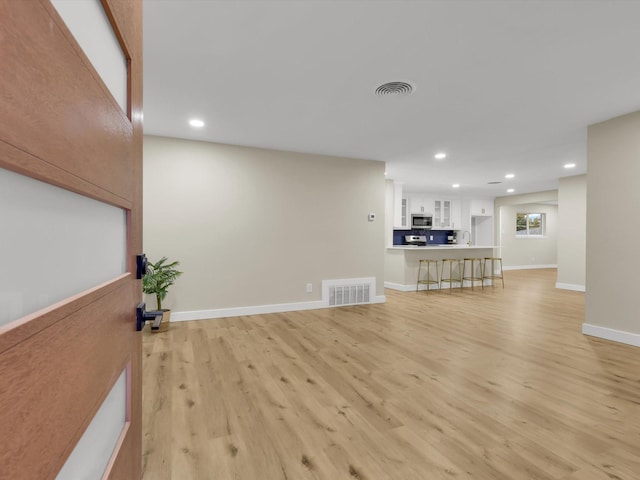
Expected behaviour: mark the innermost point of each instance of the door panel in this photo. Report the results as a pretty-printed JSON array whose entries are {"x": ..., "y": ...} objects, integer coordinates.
[
  {"x": 19, "y": 161},
  {"x": 57, "y": 379},
  {"x": 91, "y": 27},
  {"x": 91, "y": 135},
  {"x": 60, "y": 124},
  {"x": 85, "y": 237},
  {"x": 91, "y": 456}
]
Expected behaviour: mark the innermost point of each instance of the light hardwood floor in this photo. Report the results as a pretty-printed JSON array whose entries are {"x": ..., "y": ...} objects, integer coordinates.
[{"x": 494, "y": 384}]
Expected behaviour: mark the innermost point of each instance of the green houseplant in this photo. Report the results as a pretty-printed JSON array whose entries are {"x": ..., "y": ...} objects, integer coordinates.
[{"x": 159, "y": 277}]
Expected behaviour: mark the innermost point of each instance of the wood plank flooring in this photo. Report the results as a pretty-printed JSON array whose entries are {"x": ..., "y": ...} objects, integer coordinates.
[{"x": 494, "y": 384}]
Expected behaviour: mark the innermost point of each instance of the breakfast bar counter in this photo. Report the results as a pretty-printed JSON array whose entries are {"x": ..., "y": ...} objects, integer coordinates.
[
  {"x": 442, "y": 247},
  {"x": 401, "y": 261}
]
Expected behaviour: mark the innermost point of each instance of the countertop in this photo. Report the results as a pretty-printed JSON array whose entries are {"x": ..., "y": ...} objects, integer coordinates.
[{"x": 441, "y": 247}]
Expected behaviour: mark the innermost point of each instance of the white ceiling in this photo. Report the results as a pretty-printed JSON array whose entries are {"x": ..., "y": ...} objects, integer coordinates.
[{"x": 501, "y": 86}]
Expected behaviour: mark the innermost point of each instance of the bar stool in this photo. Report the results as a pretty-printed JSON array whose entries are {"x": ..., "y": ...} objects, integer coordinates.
[
  {"x": 473, "y": 275},
  {"x": 451, "y": 263},
  {"x": 427, "y": 280},
  {"x": 492, "y": 275}
]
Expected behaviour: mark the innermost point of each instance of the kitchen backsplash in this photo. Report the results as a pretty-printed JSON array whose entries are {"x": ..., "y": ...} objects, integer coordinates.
[{"x": 439, "y": 236}]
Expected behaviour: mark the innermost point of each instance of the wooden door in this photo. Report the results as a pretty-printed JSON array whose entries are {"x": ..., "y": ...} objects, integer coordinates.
[{"x": 61, "y": 125}]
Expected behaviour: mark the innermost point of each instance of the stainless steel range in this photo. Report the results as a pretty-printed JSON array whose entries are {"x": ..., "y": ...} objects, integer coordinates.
[{"x": 417, "y": 240}]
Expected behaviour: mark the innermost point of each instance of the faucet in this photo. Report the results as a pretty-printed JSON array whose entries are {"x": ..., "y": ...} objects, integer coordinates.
[{"x": 467, "y": 231}]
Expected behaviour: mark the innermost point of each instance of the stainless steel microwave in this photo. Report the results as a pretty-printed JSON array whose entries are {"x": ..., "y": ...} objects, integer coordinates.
[{"x": 421, "y": 221}]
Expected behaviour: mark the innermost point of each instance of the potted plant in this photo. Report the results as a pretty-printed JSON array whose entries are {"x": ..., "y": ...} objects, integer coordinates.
[{"x": 159, "y": 277}]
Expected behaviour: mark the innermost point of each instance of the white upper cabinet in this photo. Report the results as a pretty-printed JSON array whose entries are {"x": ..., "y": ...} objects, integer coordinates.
[
  {"x": 441, "y": 213},
  {"x": 477, "y": 218},
  {"x": 401, "y": 215},
  {"x": 419, "y": 203},
  {"x": 446, "y": 214},
  {"x": 456, "y": 214},
  {"x": 405, "y": 216},
  {"x": 482, "y": 207}
]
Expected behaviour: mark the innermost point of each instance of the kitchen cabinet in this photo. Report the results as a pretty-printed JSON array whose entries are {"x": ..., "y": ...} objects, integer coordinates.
[
  {"x": 441, "y": 213},
  {"x": 456, "y": 214},
  {"x": 420, "y": 204},
  {"x": 401, "y": 216},
  {"x": 481, "y": 207},
  {"x": 446, "y": 214},
  {"x": 477, "y": 218},
  {"x": 405, "y": 218}
]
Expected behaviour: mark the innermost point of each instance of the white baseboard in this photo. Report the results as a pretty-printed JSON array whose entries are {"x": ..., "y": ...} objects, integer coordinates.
[
  {"x": 399, "y": 286},
  {"x": 412, "y": 288},
  {"x": 619, "y": 336},
  {"x": 571, "y": 286},
  {"x": 255, "y": 310},
  {"x": 528, "y": 267}
]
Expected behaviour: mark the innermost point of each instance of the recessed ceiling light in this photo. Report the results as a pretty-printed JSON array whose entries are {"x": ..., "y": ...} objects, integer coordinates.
[
  {"x": 456, "y": 185},
  {"x": 511, "y": 190},
  {"x": 440, "y": 156},
  {"x": 509, "y": 175},
  {"x": 196, "y": 123},
  {"x": 569, "y": 165}
]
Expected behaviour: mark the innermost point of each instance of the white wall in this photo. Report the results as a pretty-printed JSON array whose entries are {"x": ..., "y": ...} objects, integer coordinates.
[
  {"x": 527, "y": 252},
  {"x": 251, "y": 227},
  {"x": 613, "y": 201},
  {"x": 389, "y": 209},
  {"x": 572, "y": 232}
]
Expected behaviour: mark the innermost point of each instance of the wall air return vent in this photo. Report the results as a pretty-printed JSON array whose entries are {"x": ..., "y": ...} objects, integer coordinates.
[
  {"x": 351, "y": 291},
  {"x": 394, "y": 88}
]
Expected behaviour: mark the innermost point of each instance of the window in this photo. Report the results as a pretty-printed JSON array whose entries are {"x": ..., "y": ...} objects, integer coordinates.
[{"x": 530, "y": 224}]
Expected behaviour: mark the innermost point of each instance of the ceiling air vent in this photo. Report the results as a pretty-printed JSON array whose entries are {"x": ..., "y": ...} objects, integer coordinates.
[
  {"x": 493, "y": 183},
  {"x": 394, "y": 88}
]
